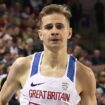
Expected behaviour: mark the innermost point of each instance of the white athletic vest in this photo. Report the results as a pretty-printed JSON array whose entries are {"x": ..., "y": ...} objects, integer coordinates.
[{"x": 43, "y": 90}]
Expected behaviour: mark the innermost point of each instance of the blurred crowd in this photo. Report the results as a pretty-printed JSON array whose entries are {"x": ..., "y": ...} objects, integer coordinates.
[{"x": 19, "y": 37}]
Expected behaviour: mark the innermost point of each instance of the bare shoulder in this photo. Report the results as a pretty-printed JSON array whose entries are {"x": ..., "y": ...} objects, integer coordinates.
[
  {"x": 85, "y": 76},
  {"x": 22, "y": 63},
  {"x": 84, "y": 70},
  {"x": 20, "y": 69}
]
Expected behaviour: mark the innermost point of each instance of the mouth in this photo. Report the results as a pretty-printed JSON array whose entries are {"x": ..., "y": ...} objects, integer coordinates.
[{"x": 55, "y": 40}]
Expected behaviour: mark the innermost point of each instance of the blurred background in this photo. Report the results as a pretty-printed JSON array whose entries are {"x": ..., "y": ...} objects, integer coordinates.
[{"x": 18, "y": 35}]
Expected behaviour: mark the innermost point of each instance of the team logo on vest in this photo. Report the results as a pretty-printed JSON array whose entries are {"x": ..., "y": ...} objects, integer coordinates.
[{"x": 65, "y": 85}]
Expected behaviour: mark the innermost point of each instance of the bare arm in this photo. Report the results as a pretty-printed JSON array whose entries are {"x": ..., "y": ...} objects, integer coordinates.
[
  {"x": 11, "y": 85},
  {"x": 88, "y": 82}
]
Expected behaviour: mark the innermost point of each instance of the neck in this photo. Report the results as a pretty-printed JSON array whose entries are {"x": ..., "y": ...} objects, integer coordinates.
[{"x": 54, "y": 59}]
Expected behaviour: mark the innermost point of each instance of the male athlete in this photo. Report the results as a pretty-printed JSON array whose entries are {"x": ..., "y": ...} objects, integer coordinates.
[{"x": 51, "y": 77}]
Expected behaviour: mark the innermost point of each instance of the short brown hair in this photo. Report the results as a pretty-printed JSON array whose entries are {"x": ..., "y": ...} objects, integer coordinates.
[{"x": 55, "y": 8}]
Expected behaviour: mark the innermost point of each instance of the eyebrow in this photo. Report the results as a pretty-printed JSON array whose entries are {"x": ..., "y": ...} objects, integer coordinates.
[
  {"x": 52, "y": 23},
  {"x": 55, "y": 24},
  {"x": 47, "y": 24}
]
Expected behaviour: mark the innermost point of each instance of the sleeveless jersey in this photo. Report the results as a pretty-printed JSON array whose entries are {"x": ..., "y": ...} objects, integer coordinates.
[{"x": 43, "y": 90}]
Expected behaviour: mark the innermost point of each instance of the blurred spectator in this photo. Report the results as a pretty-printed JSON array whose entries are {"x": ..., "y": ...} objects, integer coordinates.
[
  {"x": 23, "y": 23},
  {"x": 13, "y": 100},
  {"x": 36, "y": 5},
  {"x": 101, "y": 88},
  {"x": 8, "y": 31},
  {"x": 76, "y": 40},
  {"x": 29, "y": 46},
  {"x": 16, "y": 33},
  {"x": 7, "y": 58},
  {"x": 2, "y": 74},
  {"x": 2, "y": 49},
  {"x": 1, "y": 33},
  {"x": 33, "y": 20},
  {"x": 3, "y": 8},
  {"x": 27, "y": 33},
  {"x": 85, "y": 58},
  {"x": 77, "y": 50},
  {"x": 2, "y": 65},
  {"x": 26, "y": 12},
  {"x": 38, "y": 46},
  {"x": 1, "y": 21},
  {"x": 18, "y": 8},
  {"x": 101, "y": 81},
  {"x": 20, "y": 44},
  {"x": 4, "y": 19},
  {"x": 96, "y": 57}
]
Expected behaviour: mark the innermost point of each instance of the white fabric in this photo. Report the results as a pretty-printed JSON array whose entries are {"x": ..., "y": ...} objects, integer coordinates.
[{"x": 49, "y": 91}]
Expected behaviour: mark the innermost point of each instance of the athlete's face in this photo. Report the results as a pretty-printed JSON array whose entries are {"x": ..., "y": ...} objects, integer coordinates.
[{"x": 55, "y": 31}]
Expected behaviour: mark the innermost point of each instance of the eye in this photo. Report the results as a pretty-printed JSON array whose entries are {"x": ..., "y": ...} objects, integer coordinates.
[
  {"x": 59, "y": 26},
  {"x": 48, "y": 26}
]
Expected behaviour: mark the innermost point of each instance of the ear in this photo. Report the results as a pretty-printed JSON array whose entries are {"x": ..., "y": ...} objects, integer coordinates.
[
  {"x": 40, "y": 34},
  {"x": 70, "y": 33}
]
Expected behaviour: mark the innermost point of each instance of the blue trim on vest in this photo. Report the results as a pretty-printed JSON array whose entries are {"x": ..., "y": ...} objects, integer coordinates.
[
  {"x": 71, "y": 68},
  {"x": 35, "y": 64}
]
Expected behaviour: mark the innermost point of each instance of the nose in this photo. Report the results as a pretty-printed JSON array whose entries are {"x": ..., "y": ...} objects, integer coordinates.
[
  {"x": 54, "y": 34},
  {"x": 54, "y": 31}
]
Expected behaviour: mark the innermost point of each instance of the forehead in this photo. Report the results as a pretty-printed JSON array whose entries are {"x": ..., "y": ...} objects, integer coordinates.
[{"x": 54, "y": 18}]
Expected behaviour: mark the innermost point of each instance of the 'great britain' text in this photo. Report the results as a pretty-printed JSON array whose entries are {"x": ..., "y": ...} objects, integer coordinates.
[{"x": 49, "y": 95}]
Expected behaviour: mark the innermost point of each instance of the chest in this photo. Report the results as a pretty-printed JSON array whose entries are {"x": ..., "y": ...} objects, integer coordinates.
[
  {"x": 49, "y": 72},
  {"x": 51, "y": 83},
  {"x": 40, "y": 87},
  {"x": 49, "y": 89}
]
